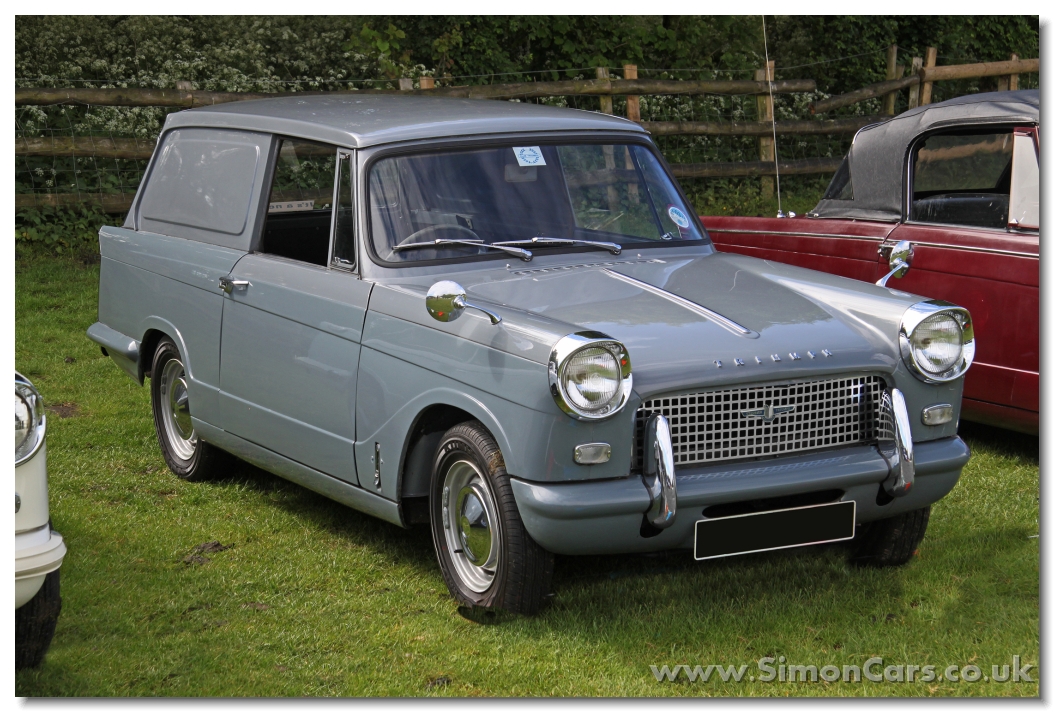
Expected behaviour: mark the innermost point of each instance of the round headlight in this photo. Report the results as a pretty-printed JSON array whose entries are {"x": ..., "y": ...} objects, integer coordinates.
[
  {"x": 936, "y": 341},
  {"x": 591, "y": 378},
  {"x": 589, "y": 375},
  {"x": 29, "y": 419},
  {"x": 23, "y": 422}
]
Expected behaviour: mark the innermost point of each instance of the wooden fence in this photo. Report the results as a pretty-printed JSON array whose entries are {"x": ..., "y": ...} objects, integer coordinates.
[{"x": 919, "y": 85}]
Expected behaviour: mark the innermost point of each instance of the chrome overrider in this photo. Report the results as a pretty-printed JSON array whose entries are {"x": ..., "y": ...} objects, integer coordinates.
[
  {"x": 659, "y": 475},
  {"x": 900, "y": 451}
]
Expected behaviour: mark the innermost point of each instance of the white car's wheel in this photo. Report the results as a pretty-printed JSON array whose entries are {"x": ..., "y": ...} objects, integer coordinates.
[{"x": 35, "y": 623}]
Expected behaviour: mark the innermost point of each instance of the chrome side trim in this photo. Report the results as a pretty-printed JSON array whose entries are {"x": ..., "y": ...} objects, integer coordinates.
[
  {"x": 900, "y": 451},
  {"x": 659, "y": 475},
  {"x": 699, "y": 309},
  {"x": 798, "y": 234},
  {"x": 968, "y": 248}
]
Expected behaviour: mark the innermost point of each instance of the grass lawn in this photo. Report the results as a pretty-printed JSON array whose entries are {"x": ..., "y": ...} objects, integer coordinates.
[{"x": 314, "y": 598}]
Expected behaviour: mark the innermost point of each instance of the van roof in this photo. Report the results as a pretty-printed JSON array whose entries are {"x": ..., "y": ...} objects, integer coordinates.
[{"x": 358, "y": 121}]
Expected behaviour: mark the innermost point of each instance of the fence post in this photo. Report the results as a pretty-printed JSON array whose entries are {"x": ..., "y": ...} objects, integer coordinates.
[
  {"x": 1008, "y": 82},
  {"x": 629, "y": 71},
  {"x": 606, "y": 105},
  {"x": 406, "y": 84},
  {"x": 913, "y": 90},
  {"x": 927, "y": 87},
  {"x": 427, "y": 82},
  {"x": 889, "y": 101},
  {"x": 766, "y": 148}
]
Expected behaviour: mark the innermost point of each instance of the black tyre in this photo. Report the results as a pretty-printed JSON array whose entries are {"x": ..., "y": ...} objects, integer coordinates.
[
  {"x": 487, "y": 557},
  {"x": 35, "y": 623},
  {"x": 185, "y": 453},
  {"x": 892, "y": 541}
]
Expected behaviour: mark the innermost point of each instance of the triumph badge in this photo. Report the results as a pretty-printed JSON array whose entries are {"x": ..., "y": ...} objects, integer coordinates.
[{"x": 768, "y": 413}]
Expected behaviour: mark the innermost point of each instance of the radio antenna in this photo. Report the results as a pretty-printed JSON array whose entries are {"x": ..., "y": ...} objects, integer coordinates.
[{"x": 775, "y": 150}]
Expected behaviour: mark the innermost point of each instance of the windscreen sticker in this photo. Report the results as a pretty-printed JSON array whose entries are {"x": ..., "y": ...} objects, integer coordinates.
[
  {"x": 678, "y": 216},
  {"x": 529, "y": 156}
]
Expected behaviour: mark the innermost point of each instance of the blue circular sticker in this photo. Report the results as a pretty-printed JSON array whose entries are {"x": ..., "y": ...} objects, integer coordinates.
[
  {"x": 529, "y": 156},
  {"x": 678, "y": 216}
]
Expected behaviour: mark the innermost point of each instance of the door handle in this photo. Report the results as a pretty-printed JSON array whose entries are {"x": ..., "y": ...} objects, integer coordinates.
[{"x": 228, "y": 285}]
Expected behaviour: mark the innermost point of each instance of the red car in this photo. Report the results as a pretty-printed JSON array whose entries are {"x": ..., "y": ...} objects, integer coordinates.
[{"x": 944, "y": 197}]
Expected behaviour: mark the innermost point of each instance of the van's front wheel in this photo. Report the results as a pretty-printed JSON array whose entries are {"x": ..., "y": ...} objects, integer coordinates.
[{"x": 487, "y": 557}]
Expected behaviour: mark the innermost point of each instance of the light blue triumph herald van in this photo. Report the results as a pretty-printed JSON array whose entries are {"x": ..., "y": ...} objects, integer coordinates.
[{"x": 505, "y": 321}]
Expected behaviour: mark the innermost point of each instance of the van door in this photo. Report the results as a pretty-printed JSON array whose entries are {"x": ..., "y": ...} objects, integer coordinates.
[{"x": 292, "y": 322}]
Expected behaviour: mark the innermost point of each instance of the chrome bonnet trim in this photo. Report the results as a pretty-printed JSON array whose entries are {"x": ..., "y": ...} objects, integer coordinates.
[{"x": 699, "y": 309}]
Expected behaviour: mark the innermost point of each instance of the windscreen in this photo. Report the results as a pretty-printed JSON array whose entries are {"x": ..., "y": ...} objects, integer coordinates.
[{"x": 612, "y": 193}]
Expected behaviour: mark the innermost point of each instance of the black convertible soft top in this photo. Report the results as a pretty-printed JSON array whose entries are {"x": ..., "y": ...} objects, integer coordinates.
[{"x": 878, "y": 156}]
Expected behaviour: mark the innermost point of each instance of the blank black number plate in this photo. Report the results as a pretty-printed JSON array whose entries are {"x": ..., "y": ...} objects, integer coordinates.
[{"x": 781, "y": 529}]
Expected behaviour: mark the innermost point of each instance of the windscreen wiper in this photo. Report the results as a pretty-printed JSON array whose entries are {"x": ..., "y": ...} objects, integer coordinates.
[
  {"x": 524, "y": 255},
  {"x": 612, "y": 247}
]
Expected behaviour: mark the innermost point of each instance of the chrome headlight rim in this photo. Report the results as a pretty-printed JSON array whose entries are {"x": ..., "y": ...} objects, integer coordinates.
[
  {"x": 33, "y": 441},
  {"x": 565, "y": 349},
  {"x": 914, "y": 317}
]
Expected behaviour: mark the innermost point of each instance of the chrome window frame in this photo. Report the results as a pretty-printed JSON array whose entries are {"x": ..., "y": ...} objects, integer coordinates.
[{"x": 909, "y": 172}]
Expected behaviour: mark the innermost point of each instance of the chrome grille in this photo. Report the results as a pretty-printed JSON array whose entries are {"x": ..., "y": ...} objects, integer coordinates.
[{"x": 709, "y": 426}]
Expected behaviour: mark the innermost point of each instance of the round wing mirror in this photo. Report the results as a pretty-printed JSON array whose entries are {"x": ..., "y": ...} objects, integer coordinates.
[
  {"x": 900, "y": 258},
  {"x": 445, "y": 301},
  {"x": 899, "y": 261}
]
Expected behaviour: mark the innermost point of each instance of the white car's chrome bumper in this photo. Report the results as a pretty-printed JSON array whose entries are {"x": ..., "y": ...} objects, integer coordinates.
[{"x": 38, "y": 552}]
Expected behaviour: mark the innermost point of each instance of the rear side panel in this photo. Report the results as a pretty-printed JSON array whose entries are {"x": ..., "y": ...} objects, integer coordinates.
[{"x": 171, "y": 284}]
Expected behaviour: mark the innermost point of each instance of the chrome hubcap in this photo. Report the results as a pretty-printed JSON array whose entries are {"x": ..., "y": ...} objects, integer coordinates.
[
  {"x": 471, "y": 526},
  {"x": 179, "y": 431}
]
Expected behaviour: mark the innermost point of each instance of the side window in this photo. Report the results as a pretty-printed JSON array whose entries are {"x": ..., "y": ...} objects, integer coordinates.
[
  {"x": 1024, "y": 188},
  {"x": 202, "y": 186},
  {"x": 300, "y": 207},
  {"x": 841, "y": 185},
  {"x": 343, "y": 224},
  {"x": 963, "y": 179}
]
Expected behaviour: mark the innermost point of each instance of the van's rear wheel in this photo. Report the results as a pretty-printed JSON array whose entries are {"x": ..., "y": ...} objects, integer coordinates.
[
  {"x": 487, "y": 557},
  {"x": 185, "y": 453}
]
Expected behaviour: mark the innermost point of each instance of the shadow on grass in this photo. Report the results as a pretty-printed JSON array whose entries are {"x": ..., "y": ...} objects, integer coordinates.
[
  {"x": 412, "y": 546},
  {"x": 1001, "y": 441}
]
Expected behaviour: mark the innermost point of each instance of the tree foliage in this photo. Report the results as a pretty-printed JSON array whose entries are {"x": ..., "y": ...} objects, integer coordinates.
[{"x": 268, "y": 53}]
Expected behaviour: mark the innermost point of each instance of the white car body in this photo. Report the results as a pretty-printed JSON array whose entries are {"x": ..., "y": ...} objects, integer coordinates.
[{"x": 38, "y": 549}]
